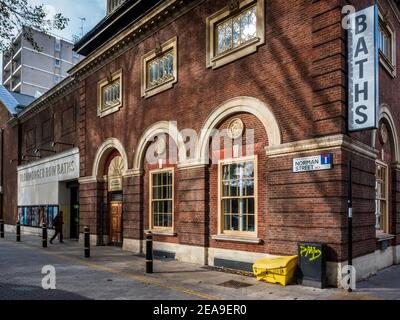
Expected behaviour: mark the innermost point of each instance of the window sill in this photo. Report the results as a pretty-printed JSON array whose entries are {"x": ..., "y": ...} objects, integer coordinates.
[
  {"x": 384, "y": 237},
  {"x": 159, "y": 88},
  {"x": 163, "y": 233},
  {"x": 224, "y": 237},
  {"x": 108, "y": 111},
  {"x": 384, "y": 240},
  {"x": 235, "y": 54}
]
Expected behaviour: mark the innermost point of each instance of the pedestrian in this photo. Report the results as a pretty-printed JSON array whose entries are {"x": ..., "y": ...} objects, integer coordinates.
[{"x": 58, "y": 226}]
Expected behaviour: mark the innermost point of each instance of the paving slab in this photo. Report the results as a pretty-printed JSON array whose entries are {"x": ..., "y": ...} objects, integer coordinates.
[{"x": 112, "y": 273}]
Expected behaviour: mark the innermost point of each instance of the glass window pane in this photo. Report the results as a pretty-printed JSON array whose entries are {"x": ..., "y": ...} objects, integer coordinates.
[
  {"x": 235, "y": 223},
  {"x": 221, "y": 38},
  {"x": 228, "y": 35},
  {"x": 251, "y": 223},
  {"x": 170, "y": 64},
  {"x": 227, "y": 222},
  {"x": 161, "y": 68},
  {"x": 236, "y": 32},
  {"x": 250, "y": 206}
]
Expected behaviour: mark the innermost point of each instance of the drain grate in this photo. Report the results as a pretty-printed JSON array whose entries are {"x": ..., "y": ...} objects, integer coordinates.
[{"x": 235, "y": 284}]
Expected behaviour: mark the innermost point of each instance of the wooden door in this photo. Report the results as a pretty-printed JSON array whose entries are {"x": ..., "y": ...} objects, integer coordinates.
[{"x": 115, "y": 222}]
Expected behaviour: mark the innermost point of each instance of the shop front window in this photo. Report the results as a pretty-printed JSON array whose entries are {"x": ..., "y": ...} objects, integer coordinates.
[
  {"x": 35, "y": 216},
  {"x": 238, "y": 197}
]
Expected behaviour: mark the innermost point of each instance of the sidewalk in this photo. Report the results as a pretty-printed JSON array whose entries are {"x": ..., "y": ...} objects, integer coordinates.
[{"x": 111, "y": 273}]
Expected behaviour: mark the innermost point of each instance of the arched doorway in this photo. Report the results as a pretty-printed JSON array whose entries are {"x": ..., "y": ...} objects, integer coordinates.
[{"x": 114, "y": 170}]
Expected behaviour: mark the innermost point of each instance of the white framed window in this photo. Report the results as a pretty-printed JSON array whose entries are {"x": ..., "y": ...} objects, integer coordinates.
[
  {"x": 237, "y": 197},
  {"x": 57, "y": 63},
  {"x": 381, "y": 199},
  {"x": 159, "y": 68},
  {"x": 57, "y": 45},
  {"x": 56, "y": 79},
  {"x": 387, "y": 46},
  {"x": 162, "y": 199},
  {"x": 110, "y": 94},
  {"x": 235, "y": 32}
]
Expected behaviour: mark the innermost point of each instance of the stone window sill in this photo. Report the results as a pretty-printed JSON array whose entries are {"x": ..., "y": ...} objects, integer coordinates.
[
  {"x": 163, "y": 233},
  {"x": 223, "y": 237},
  {"x": 384, "y": 237},
  {"x": 105, "y": 112},
  {"x": 384, "y": 240}
]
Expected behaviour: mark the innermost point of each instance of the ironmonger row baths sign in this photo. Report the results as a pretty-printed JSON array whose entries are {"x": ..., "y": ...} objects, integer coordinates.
[
  {"x": 58, "y": 168},
  {"x": 363, "y": 63},
  {"x": 315, "y": 163}
]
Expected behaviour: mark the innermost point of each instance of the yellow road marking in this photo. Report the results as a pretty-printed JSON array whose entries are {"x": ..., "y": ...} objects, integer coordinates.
[{"x": 142, "y": 279}]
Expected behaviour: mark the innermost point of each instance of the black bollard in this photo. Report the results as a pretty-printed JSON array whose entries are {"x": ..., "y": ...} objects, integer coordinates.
[
  {"x": 18, "y": 231},
  {"x": 1, "y": 228},
  {"x": 44, "y": 235},
  {"x": 87, "y": 242},
  {"x": 149, "y": 252}
]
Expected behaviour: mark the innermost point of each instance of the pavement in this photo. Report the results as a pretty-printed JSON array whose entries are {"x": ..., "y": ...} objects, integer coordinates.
[{"x": 113, "y": 274}]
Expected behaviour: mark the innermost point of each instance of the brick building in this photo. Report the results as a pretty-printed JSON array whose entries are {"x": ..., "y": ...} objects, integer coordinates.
[{"x": 272, "y": 76}]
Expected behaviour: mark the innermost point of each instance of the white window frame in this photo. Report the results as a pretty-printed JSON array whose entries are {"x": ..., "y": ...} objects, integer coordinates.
[
  {"x": 389, "y": 65},
  {"x": 244, "y": 234},
  {"x": 385, "y": 220},
  {"x": 151, "y": 226},
  {"x": 214, "y": 60},
  {"x": 169, "y": 46},
  {"x": 57, "y": 64},
  {"x": 102, "y": 112}
]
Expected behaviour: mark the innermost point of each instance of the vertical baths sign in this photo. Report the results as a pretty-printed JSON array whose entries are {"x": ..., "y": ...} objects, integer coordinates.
[{"x": 363, "y": 65}]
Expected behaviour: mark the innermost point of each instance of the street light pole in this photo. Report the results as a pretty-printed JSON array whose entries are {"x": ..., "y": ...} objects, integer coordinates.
[{"x": 350, "y": 224}]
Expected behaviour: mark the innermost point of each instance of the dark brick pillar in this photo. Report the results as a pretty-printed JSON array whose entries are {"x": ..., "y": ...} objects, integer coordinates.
[
  {"x": 132, "y": 208},
  {"x": 92, "y": 199},
  {"x": 192, "y": 207}
]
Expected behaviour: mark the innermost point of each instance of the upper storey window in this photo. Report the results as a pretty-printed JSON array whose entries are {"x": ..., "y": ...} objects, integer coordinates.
[
  {"x": 110, "y": 94},
  {"x": 235, "y": 31},
  {"x": 387, "y": 46},
  {"x": 159, "y": 68},
  {"x": 112, "y": 5}
]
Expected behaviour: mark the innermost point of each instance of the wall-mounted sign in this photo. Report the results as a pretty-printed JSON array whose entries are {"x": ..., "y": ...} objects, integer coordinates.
[
  {"x": 363, "y": 65},
  {"x": 39, "y": 181},
  {"x": 115, "y": 170},
  {"x": 315, "y": 163},
  {"x": 115, "y": 183}
]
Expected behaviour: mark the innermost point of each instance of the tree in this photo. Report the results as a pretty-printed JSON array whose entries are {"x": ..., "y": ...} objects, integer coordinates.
[{"x": 19, "y": 15}]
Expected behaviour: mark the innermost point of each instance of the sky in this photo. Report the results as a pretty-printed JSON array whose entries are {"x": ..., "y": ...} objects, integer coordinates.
[{"x": 92, "y": 10}]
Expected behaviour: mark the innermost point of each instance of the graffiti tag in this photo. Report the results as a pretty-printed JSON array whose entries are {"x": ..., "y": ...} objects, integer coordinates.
[{"x": 310, "y": 252}]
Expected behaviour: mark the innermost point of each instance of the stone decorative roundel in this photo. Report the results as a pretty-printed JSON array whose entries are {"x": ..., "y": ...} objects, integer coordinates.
[
  {"x": 235, "y": 128},
  {"x": 383, "y": 133},
  {"x": 160, "y": 145}
]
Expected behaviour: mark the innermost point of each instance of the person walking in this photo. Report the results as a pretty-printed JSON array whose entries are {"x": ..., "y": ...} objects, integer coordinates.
[{"x": 58, "y": 226}]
